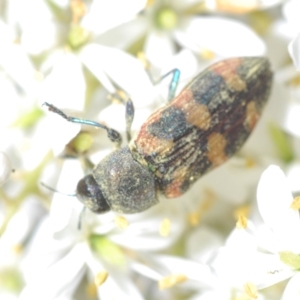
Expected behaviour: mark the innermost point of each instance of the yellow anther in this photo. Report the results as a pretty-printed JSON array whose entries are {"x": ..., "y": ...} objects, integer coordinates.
[
  {"x": 251, "y": 290},
  {"x": 121, "y": 222},
  {"x": 296, "y": 203},
  {"x": 242, "y": 222},
  {"x": 170, "y": 281},
  {"x": 165, "y": 227},
  {"x": 101, "y": 278}
]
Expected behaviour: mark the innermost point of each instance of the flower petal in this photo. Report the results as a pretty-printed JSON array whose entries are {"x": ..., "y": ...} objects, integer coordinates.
[
  {"x": 104, "y": 15},
  {"x": 166, "y": 265},
  {"x": 293, "y": 175},
  {"x": 123, "y": 36},
  {"x": 292, "y": 288},
  {"x": 125, "y": 70},
  {"x": 274, "y": 200},
  {"x": 43, "y": 251},
  {"x": 118, "y": 284},
  {"x": 143, "y": 232},
  {"x": 292, "y": 121},
  {"x": 65, "y": 85},
  {"x": 62, "y": 205},
  {"x": 294, "y": 50},
  {"x": 290, "y": 12},
  {"x": 216, "y": 35},
  {"x": 34, "y": 39},
  {"x": 159, "y": 47},
  {"x": 209, "y": 239},
  {"x": 17, "y": 65},
  {"x": 5, "y": 167},
  {"x": 59, "y": 279}
]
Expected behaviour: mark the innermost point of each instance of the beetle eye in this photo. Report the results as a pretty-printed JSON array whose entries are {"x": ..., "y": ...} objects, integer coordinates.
[{"x": 89, "y": 193}]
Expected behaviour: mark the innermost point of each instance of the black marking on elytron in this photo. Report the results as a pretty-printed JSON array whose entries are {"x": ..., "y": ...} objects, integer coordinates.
[
  {"x": 257, "y": 84},
  {"x": 189, "y": 140},
  {"x": 212, "y": 91},
  {"x": 206, "y": 89},
  {"x": 234, "y": 130},
  {"x": 255, "y": 90},
  {"x": 186, "y": 152},
  {"x": 172, "y": 124},
  {"x": 228, "y": 106},
  {"x": 228, "y": 109}
]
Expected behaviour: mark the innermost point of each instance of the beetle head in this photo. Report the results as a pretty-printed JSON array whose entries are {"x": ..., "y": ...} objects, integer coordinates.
[{"x": 89, "y": 193}]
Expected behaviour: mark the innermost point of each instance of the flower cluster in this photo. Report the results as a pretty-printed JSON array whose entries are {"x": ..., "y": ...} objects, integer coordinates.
[{"x": 233, "y": 235}]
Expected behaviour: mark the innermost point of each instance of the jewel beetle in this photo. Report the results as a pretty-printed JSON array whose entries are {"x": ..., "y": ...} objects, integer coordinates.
[{"x": 197, "y": 131}]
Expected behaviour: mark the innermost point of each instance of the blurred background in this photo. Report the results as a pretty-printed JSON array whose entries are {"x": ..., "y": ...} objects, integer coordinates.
[{"x": 86, "y": 58}]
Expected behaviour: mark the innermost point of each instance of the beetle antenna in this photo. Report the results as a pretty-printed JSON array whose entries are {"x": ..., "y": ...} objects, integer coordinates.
[
  {"x": 56, "y": 191},
  {"x": 69, "y": 195}
]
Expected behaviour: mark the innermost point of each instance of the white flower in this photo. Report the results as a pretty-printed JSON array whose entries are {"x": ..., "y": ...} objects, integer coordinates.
[
  {"x": 15, "y": 63},
  {"x": 63, "y": 81},
  {"x": 294, "y": 50},
  {"x": 284, "y": 32},
  {"x": 172, "y": 270},
  {"x": 125, "y": 70},
  {"x": 260, "y": 253},
  {"x": 274, "y": 201},
  {"x": 290, "y": 29},
  {"x": 235, "y": 264},
  {"x": 13, "y": 244},
  {"x": 105, "y": 15},
  {"x": 146, "y": 96},
  {"x": 35, "y": 39},
  {"x": 72, "y": 54},
  {"x": 290, "y": 9},
  {"x": 278, "y": 234},
  {"x": 5, "y": 167},
  {"x": 287, "y": 87},
  {"x": 170, "y": 22},
  {"x": 61, "y": 253},
  {"x": 233, "y": 6}
]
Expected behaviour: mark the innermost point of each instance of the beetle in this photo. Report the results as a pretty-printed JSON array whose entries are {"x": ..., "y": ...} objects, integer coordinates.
[{"x": 197, "y": 131}]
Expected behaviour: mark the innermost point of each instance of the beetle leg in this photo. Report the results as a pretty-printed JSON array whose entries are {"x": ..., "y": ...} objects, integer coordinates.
[
  {"x": 129, "y": 115},
  {"x": 173, "y": 84},
  {"x": 121, "y": 97},
  {"x": 112, "y": 134}
]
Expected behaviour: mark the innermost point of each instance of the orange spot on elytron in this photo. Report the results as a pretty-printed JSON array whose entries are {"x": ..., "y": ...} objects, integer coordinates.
[
  {"x": 196, "y": 114},
  {"x": 199, "y": 116},
  {"x": 230, "y": 75},
  {"x": 252, "y": 115},
  {"x": 146, "y": 143},
  {"x": 173, "y": 190},
  {"x": 231, "y": 65},
  {"x": 216, "y": 145},
  {"x": 149, "y": 144},
  {"x": 235, "y": 82}
]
